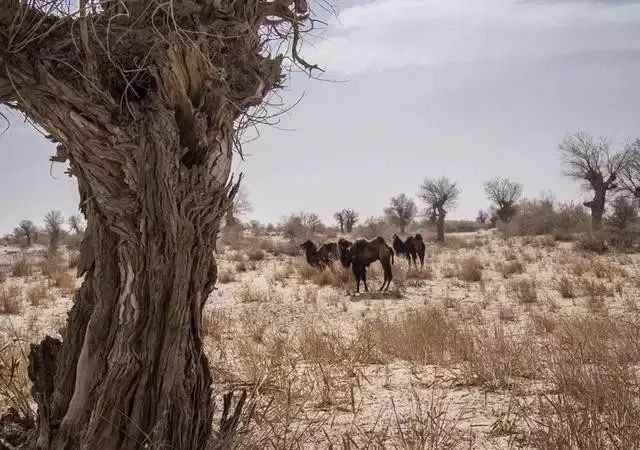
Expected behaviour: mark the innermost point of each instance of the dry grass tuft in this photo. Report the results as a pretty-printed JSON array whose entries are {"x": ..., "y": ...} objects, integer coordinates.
[
  {"x": 470, "y": 269},
  {"x": 256, "y": 254},
  {"x": 510, "y": 268},
  {"x": 565, "y": 286},
  {"x": 524, "y": 290},
  {"x": 226, "y": 275},
  {"x": 21, "y": 268},
  {"x": 11, "y": 300},
  {"x": 37, "y": 294}
]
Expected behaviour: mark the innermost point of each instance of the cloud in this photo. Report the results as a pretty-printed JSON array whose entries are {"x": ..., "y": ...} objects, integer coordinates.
[{"x": 390, "y": 34}]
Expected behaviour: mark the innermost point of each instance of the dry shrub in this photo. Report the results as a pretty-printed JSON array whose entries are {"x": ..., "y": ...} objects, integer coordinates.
[
  {"x": 580, "y": 266},
  {"x": 226, "y": 275},
  {"x": 510, "y": 268},
  {"x": 307, "y": 295},
  {"x": 3, "y": 276},
  {"x": 541, "y": 323},
  {"x": 470, "y": 269},
  {"x": 506, "y": 313},
  {"x": 66, "y": 283},
  {"x": 427, "y": 424},
  {"x": 425, "y": 336},
  {"x": 455, "y": 243},
  {"x": 21, "y": 268},
  {"x": 280, "y": 274},
  {"x": 241, "y": 267},
  {"x": 10, "y": 300},
  {"x": 256, "y": 254},
  {"x": 37, "y": 294},
  {"x": 564, "y": 285},
  {"x": 594, "y": 379},
  {"x": 524, "y": 290},
  {"x": 215, "y": 323},
  {"x": 592, "y": 242},
  {"x": 249, "y": 293},
  {"x": 74, "y": 259},
  {"x": 497, "y": 359},
  {"x": 15, "y": 384}
]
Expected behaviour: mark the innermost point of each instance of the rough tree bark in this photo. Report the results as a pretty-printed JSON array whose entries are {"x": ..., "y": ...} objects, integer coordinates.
[{"x": 142, "y": 99}]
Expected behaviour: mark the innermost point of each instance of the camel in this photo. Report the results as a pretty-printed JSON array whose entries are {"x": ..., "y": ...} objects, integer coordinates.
[
  {"x": 320, "y": 257},
  {"x": 361, "y": 253},
  {"x": 414, "y": 247}
]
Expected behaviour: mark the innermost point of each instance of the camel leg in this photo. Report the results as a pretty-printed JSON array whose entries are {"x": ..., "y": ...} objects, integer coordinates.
[
  {"x": 356, "y": 275},
  {"x": 364, "y": 278}
]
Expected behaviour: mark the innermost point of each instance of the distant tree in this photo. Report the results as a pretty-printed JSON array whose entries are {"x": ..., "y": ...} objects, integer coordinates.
[
  {"x": 624, "y": 213},
  {"x": 53, "y": 221},
  {"x": 339, "y": 216},
  {"x": 75, "y": 223},
  {"x": 505, "y": 194},
  {"x": 482, "y": 217},
  {"x": 350, "y": 219},
  {"x": 401, "y": 211},
  {"x": 239, "y": 207},
  {"x": 27, "y": 230},
  {"x": 630, "y": 174},
  {"x": 439, "y": 195},
  {"x": 346, "y": 219},
  {"x": 592, "y": 161},
  {"x": 301, "y": 224}
]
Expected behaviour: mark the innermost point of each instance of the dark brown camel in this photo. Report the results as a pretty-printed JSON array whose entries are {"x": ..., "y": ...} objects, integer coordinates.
[
  {"x": 361, "y": 253},
  {"x": 320, "y": 257},
  {"x": 413, "y": 248}
]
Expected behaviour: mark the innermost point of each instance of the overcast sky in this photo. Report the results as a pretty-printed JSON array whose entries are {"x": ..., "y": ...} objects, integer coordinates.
[{"x": 469, "y": 89}]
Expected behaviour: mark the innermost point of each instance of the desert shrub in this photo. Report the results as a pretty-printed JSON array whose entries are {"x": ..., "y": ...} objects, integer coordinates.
[
  {"x": 594, "y": 383},
  {"x": 226, "y": 275},
  {"x": 506, "y": 313},
  {"x": 543, "y": 217},
  {"x": 425, "y": 336},
  {"x": 497, "y": 358},
  {"x": 256, "y": 254},
  {"x": 565, "y": 287},
  {"x": 524, "y": 290},
  {"x": 374, "y": 226},
  {"x": 593, "y": 242},
  {"x": 10, "y": 300},
  {"x": 37, "y": 294},
  {"x": 509, "y": 268},
  {"x": 3, "y": 276},
  {"x": 301, "y": 225},
  {"x": 462, "y": 226},
  {"x": 21, "y": 268},
  {"x": 65, "y": 282},
  {"x": 470, "y": 269},
  {"x": 215, "y": 323},
  {"x": 241, "y": 266}
]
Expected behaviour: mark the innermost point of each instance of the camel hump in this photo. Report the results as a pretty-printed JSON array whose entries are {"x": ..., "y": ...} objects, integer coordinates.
[{"x": 418, "y": 237}]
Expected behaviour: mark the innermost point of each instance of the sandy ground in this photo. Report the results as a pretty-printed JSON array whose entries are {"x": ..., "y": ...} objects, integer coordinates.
[{"x": 273, "y": 330}]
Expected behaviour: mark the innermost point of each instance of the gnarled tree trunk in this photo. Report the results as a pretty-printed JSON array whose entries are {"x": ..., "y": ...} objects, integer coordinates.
[
  {"x": 131, "y": 370},
  {"x": 597, "y": 207},
  {"x": 142, "y": 98}
]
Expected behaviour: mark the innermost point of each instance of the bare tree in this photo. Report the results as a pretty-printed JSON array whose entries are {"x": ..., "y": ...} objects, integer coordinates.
[
  {"x": 505, "y": 194},
  {"x": 346, "y": 219},
  {"x": 75, "y": 223},
  {"x": 239, "y": 207},
  {"x": 482, "y": 217},
  {"x": 591, "y": 160},
  {"x": 350, "y": 219},
  {"x": 27, "y": 230},
  {"x": 401, "y": 211},
  {"x": 629, "y": 176},
  {"x": 439, "y": 196},
  {"x": 53, "y": 221},
  {"x": 340, "y": 219},
  {"x": 145, "y": 100}
]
